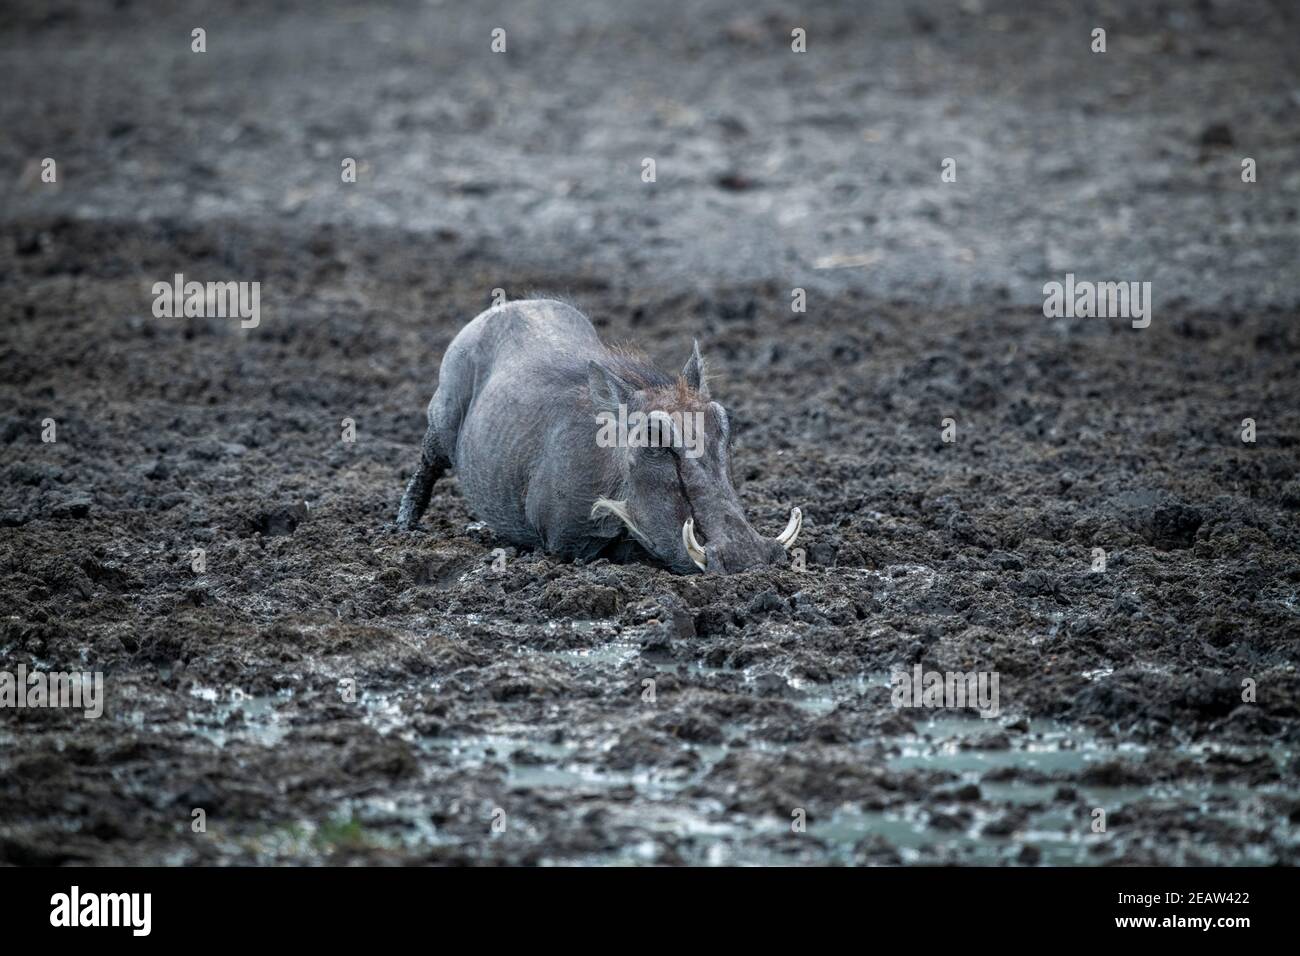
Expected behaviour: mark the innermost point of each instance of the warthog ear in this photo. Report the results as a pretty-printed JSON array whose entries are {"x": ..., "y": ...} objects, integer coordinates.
[
  {"x": 608, "y": 391},
  {"x": 694, "y": 372}
]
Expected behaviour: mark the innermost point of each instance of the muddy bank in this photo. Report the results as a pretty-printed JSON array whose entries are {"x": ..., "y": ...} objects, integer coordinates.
[{"x": 522, "y": 688}]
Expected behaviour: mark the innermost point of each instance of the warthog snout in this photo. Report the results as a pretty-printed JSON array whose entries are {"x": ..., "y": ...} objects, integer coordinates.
[{"x": 742, "y": 548}]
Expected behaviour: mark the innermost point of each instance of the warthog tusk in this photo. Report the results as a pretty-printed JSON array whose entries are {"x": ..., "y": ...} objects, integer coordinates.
[
  {"x": 786, "y": 537},
  {"x": 693, "y": 547},
  {"x": 618, "y": 509}
]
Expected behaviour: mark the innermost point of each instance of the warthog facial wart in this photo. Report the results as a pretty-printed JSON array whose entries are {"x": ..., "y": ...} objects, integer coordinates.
[{"x": 565, "y": 445}]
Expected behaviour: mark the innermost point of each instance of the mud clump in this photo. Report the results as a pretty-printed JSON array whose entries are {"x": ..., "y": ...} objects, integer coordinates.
[
  {"x": 581, "y": 603},
  {"x": 278, "y": 520},
  {"x": 1174, "y": 526}
]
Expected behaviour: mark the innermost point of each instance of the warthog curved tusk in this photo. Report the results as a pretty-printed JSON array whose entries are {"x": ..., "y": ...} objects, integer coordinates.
[
  {"x": 693, "y": 547},
  {"x": 786, "y": 538}
]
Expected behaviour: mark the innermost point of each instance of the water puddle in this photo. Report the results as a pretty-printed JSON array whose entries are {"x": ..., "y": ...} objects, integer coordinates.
[
  {"x": 233, "y": 715},
  {"x": 1002, "y": 783}
]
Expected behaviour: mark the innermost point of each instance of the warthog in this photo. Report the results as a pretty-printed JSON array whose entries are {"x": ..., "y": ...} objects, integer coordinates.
[{"x": 524, "y": 412}]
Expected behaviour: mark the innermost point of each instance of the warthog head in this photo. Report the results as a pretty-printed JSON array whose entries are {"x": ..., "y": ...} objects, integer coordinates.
[{"x": 673, "y": 454}]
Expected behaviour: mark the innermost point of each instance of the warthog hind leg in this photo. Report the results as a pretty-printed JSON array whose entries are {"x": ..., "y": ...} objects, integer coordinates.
[{"x": 420, "y": 488}]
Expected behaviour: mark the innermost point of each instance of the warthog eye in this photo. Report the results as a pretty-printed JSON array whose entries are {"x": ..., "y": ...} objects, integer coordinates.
[{"x": 657, "y": 453}]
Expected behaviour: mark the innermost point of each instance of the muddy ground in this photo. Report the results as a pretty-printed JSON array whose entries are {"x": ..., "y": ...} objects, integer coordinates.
[{"x": 516, "y": 694}]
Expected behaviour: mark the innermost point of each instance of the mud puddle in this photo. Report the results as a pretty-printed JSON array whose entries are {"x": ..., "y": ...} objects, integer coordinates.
[{"x": 996, "y": 786}]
